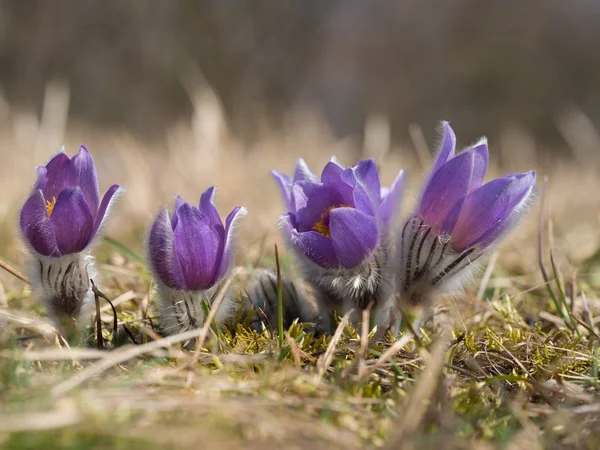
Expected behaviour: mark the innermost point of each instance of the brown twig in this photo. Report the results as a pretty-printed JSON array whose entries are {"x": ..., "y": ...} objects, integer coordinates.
[
  {"x": 325, "y": 360},
  {"x": 98, "y": 293},
  {"x": 99, "y": 339},
  {"x": 10, "y": 269}
]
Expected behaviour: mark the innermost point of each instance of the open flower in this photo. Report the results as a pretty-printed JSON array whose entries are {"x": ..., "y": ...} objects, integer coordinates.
[
  {"x": 190, "y": 253},
  {"x": 64, "y": 213},
  {"x": 337, "y": 221},
  {"x": 59, "y": 223},
  {"x": 339, "y": 227},
  {"x": 457, "y": 219}
]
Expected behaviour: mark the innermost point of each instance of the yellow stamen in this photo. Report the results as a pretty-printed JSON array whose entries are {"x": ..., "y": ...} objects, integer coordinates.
[
  {"x": 321, "y": 226},
  {"x": 50, "y": 204}
]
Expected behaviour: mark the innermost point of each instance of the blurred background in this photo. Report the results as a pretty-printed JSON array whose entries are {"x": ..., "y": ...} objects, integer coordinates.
[{"x": 174, "y": 96}]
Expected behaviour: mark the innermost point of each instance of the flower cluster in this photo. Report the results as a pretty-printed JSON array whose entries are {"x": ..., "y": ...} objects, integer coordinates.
[{"x": 342, "y": 227}]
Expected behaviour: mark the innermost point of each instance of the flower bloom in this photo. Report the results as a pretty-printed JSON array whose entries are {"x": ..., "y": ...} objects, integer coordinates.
[
  {"x": 337, "y": 221},
  {"x": 457, "y": 219},
  {"x": 338, "y": 226},
  {"x": 64, "y": 213},
  {"x": 189, "y": 254},
  {"x": 59, "y": 223}
]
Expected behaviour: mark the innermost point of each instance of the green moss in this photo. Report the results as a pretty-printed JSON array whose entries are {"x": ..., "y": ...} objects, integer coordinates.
[{"x": 507, "y": 368}]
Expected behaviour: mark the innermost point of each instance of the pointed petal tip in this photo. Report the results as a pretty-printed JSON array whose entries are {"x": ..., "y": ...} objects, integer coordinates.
[
  {"x": 481, "y": 141},
  {"x": 60, "y": 153},
  {"x": 242, "y": 211},
  {"x": 336, "y": 161},
  {"x": 232, "y": 223},
  {"x": 447, "y": 130},
  {"x": 208, "y": 195},
  {"x": 111, "y": 195},
  {"x": 446, "y": 147},
  {"x": 303, "y": 172}
]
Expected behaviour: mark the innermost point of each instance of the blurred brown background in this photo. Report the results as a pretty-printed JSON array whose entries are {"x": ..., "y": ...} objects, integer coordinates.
[
  {"x": 484, "y": 65},
  {"x": 174, "y": 96}
]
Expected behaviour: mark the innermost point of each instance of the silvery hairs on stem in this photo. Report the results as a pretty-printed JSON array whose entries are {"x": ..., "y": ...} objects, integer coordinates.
[
  {"x": 338, "y": 228},
  {"x": 457, "y": 221},
  {"x": 60, "y": 222},
  {"x": 298, "y": 301},
  {"x": 190, "y": 254}
]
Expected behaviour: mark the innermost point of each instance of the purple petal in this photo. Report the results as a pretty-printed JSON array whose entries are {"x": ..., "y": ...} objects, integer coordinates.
[
  {"x": 353, "y": 234},
  {"x": 85, "y": 176},
  {"x": 178, "y": 202},
  {"x": 360, "y": 196},
  {"x": 72, "y": 221},
  {"x": 332, "y": 173},
  {"x": 335, "y": 161},
  {"x": 450, "y": 184},
  {"x": 207, "y": 207},
  {"x": 231, "y": 224},
  {"x": 392, "y": 200},
  {"x": 287, "y": 223},
  {"x": 316, "y": 201},
  {"x": 364, "y": 180},
  {"x": 285, "y": 186},
  {"x": 108, "y": 200},
  {"x": 315, "y": 246},
  {"x": 303, "y": 173},
  {"x": 161, "y": 253},
  {"x": 37, "y": 227},
  {"x": 299, "y": 197},
  {"x": 332, "y": 177},
  {"x": 42, "y": 179},
  {"x": 446, "y": 148},
  {"x": 199, "y": 247},
  {"x": 480, "y": 164},
  {"x": 367, "y": 174},
  {"x": 487, "y": 211},
  {"x": 58, "y": 173}
]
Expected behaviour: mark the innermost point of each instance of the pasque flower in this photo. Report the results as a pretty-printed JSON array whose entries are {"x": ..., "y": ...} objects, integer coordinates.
[
  {"x": 190, "y": 253},
  {"x": 338, "y": 226},
  {"x": 457, "y": 220},
  {"x": 59, "y": 222}
]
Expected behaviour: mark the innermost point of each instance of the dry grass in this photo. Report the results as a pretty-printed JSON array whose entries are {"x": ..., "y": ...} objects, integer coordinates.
[{"x": 500, "y": 368}]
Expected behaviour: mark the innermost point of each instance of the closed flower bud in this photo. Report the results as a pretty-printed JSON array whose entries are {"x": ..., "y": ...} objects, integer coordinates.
[
  {"x": 190, "y": 254},
  {"x": 458, "y": 219}
]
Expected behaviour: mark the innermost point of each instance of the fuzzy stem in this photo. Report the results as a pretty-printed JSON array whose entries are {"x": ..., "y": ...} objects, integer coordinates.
[{"x": 279, "y": 300}]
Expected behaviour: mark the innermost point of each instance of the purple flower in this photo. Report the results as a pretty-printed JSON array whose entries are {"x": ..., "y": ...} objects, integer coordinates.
[
  {"x": 64, "y": 213},
  {"x": 337, "y": 221},
  {"x": 192, "y": 250},
  {"x": 339, "y": 226},
  {"x": 59, "y": 222},
  {"x": 458, "y": 217}
]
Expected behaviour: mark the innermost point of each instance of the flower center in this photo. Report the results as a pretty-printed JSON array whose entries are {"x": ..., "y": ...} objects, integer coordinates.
[
  {"x": 322, "y": 226},
  {"x": 50, "y": 204}
]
